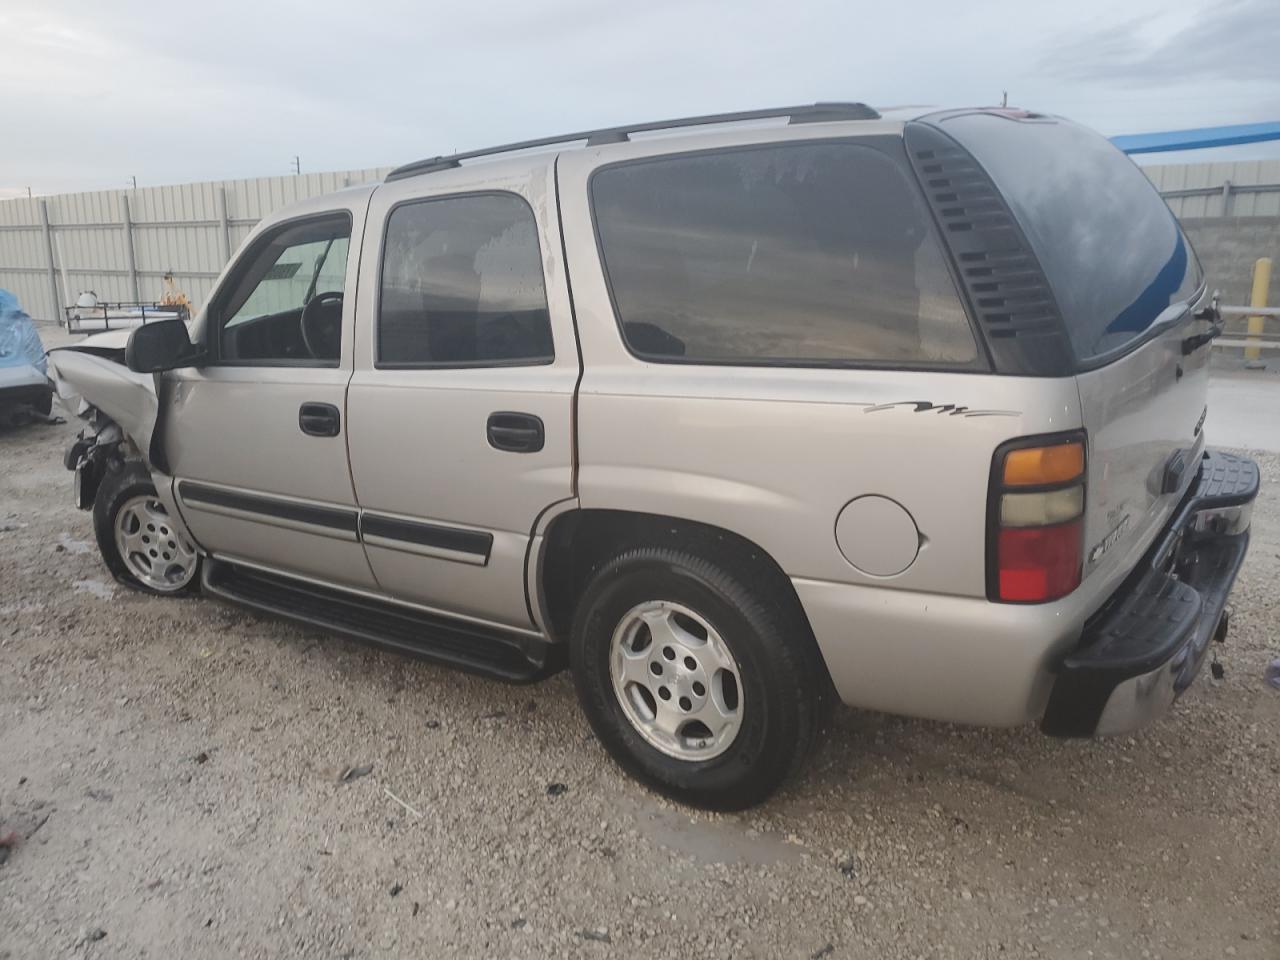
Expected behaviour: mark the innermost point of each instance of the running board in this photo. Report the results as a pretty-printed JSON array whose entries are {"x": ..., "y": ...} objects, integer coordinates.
[{"x": 513, "y": 657}]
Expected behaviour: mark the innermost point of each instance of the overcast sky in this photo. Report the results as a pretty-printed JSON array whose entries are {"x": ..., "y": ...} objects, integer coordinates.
[{"x": 92, "y": 93}]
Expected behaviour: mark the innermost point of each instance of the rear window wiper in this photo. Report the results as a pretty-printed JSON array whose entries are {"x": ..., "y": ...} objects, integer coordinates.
[{"x": 1196, "y": 341}]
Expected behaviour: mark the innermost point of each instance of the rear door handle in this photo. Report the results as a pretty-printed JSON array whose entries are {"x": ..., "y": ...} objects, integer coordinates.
[
  {"x": 319, "y": 419},
  {"x": 1193, "y": 343},
  {"x": 515, "y": 432}
]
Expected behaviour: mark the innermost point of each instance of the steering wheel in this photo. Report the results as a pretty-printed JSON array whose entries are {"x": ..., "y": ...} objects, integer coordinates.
[{"x": 322, "y": 325}]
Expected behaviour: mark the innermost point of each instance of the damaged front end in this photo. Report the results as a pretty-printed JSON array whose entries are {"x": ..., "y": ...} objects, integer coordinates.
[
  {"x": 120, "y": 472},
  {"x": 119, "y": 407},
  {"x": 99, "y": 447}
]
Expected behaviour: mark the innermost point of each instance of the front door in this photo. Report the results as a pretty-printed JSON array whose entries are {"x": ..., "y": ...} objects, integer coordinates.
[
  {"x": 460, "y": 405},
  {"x": 256, "y": 438}
]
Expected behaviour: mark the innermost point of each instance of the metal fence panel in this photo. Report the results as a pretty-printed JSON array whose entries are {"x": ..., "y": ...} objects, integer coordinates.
[
  {"x": 1246, "y": 192},
  {"x": 191, "y": 229}
]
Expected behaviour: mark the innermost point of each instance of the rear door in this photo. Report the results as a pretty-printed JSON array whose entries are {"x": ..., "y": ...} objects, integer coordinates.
[
  {"x": 1126, "y": 282},
  {"x": 460, "y": 407}
]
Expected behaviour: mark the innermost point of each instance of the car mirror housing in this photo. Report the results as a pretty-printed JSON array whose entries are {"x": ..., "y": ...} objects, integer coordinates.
[{"x": 161, "y": 345}]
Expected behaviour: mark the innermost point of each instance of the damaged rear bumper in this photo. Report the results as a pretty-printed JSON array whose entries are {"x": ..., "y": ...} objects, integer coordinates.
[{"x": 1148, "y": 642}]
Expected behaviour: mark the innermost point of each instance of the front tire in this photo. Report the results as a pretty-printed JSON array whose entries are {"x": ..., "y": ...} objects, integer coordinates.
[
  {"x": 700, "y": 677},
  {"x": 137, "y": 539}
]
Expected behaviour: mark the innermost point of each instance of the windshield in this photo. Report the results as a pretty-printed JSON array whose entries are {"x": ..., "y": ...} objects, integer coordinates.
[{"x": 1109, "y": 245}]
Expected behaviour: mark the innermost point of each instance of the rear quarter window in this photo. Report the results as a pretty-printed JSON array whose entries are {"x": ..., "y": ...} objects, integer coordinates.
[
  {"x": 1111, "y": 249},
  {"x": 812, "y": 253}
]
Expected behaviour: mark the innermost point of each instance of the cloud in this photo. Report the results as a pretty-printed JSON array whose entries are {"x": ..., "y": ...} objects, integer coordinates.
[
  {"x": 93, "y": 93},
  {"x": 1236, "y": 41}
]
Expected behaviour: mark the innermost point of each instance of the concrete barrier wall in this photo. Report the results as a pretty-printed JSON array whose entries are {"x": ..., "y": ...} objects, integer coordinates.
[
  {"x": 1195, "y": 191},
  {"x": 1231, "y": 214},
  {"x": 1228, "y": 247}
]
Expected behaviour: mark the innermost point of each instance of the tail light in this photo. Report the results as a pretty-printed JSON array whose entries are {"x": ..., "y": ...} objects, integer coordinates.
[{"x": 1036, "y": 519}]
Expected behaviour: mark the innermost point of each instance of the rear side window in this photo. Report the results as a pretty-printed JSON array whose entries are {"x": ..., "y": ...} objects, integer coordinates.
[
  {"x": 1110, "y": 248},
  {"x": 462, "y": 285},
  {"x": 813, "y": 253}
]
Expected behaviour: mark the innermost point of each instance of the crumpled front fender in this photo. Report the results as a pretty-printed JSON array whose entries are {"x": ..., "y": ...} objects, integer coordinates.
[{"x": 86, "y": 379}]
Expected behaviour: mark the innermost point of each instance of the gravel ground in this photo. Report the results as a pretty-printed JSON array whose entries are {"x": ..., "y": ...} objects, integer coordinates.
[{"x": 175, "y": 766}]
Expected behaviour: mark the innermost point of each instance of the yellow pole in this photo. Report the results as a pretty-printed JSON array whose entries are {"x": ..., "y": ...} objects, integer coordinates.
[{"x": 1261, "y": 281}]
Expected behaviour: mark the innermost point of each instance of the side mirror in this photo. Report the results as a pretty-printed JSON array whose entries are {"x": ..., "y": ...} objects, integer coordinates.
[{"x": 161, "y": 345}]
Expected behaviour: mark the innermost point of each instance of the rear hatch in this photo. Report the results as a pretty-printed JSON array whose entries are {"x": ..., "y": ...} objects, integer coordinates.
[{"x": 1126, "y": 282}]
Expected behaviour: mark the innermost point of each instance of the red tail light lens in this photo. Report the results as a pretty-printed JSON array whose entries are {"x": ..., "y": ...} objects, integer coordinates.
[
  {"x": 1036, "y": 519},
  {"x": 1038, "y": 563}
]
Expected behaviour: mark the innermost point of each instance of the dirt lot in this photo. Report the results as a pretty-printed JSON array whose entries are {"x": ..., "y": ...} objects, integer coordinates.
[{"x": 176, "y": 767}]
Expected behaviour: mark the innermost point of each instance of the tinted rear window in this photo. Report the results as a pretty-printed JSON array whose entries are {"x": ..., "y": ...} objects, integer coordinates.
[
  {"x": 1111, "y": 249},
  {"x": 816, "y": 253}
]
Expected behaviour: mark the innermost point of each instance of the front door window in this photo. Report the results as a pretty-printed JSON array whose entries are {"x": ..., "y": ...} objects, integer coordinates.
[{"x": 284, "y": 306}]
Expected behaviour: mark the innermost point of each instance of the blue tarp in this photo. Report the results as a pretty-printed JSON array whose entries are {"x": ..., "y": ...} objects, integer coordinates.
[{"x": 20, "y": 345}]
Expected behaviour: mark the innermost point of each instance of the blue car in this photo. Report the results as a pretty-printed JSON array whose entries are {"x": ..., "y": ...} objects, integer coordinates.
[{"x": 25, "y": 387}]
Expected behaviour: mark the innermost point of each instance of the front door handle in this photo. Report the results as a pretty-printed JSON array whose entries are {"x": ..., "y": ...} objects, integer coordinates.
[
  {"x": 515, "y": 432},
  {"x": 319, "y": 419}
]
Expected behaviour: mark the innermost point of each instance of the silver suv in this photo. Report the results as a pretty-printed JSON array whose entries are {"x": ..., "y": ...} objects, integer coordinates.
[{"x": 735, "y": 416}]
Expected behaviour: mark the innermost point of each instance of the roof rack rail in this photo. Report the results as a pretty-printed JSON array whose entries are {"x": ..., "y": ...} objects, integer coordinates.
[{"x": 808, "y": 113}]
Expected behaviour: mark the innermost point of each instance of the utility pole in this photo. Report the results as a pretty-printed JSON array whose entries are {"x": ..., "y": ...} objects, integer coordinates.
[
  {"x": 134, "y": 181},
  {"x": 1004, "y": 98},
  {"x": 28, "y": 193},
  {"x": 297, "y": 166}
]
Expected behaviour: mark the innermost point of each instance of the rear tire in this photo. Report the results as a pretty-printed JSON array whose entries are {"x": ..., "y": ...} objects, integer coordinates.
[
  {"x": 138, "y": 543},
  {"x": 663, "y": 638}
]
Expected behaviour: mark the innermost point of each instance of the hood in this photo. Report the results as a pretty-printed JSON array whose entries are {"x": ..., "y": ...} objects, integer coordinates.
[{"x": 108, "y": 343}]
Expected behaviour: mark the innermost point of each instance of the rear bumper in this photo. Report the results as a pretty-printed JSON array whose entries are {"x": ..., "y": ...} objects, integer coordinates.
[{"x": 1147, "y": 643}]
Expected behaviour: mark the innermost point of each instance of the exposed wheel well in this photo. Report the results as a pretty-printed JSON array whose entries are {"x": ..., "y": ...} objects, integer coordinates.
[{"x": 579, "y": 542}]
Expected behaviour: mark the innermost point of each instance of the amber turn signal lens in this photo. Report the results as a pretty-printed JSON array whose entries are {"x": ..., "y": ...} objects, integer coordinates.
[{"x": 1035, "y": 466}]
